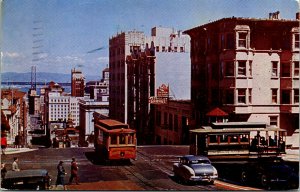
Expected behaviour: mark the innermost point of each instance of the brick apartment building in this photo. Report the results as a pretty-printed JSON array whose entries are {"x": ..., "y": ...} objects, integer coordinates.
[{"x": 249, "y": 68}]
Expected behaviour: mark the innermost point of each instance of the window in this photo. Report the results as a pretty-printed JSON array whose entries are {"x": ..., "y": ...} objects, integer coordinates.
[
  {"x": 175, "y": 49},
  {"x": 157, "y": 48},
  {"x": 170, "y": 122},
  {"x": 274, "y": 95},
  {"x": 222, "y": 41},
  {"x": 285, "y": 97},
  {"x": 274, "y": 121},
  {"x": 242, "y": 68},
  {"x": 285, "y": 69},
  {"x": 296, "y": 95},
  {"x": 165, "y": 118},
  {"x": 242, "y": 39},
  {"x": 250, "y": 68},
  {"x": 158, "y": 118},
  {"x": 181, "y": 49},
  {"x": 163, "y": 48},
  {"x": 241, "y": 95},
  {"x": 113, "y": 139},
  {"x": 229, "y": 66},
  {"x": 274, "y": 68},
  {"x": 250, "y": 96},
  {"x": 296, "y": 69},
  {"x": 230, "y": 41},
  {"x": 175, "y": 123},
  {"x": 229, "y": 96},
  {"x": 297, "y": 41}
]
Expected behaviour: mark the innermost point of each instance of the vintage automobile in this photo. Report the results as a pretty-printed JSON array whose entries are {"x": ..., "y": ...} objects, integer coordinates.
[
  {"x": 195, "y": 169},
  {"x": 31, "y": 179},
  {"x": 270, "y": 173}
]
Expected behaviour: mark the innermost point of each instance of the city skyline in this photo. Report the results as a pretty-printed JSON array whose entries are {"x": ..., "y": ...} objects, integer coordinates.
[{"x": 57, "y": 36}]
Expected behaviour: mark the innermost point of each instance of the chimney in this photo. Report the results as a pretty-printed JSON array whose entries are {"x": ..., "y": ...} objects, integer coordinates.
[
  {"x": 274, "y": 16},
  {"x": 298, "y": 16}
]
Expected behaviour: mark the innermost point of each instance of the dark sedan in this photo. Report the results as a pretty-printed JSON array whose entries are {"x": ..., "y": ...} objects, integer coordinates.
[
  {"x": 32, "y": 179},
  {"x": 270, "y": 173}
]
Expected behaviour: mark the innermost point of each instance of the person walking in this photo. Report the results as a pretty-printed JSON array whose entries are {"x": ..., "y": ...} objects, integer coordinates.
[
  {"x": 3, "y": 144},
  {"x": 3, "y": 172},
  {"x": 61, "y": 175},
  {"x": 74, "y": 172},
  {"x": 15, "y": 166}
]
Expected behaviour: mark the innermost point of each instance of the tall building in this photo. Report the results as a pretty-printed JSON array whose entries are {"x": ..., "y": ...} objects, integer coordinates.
[
  {"x": 86, "y": 109},
  {"x": 15, "y": 109},
  {"x": 77, "y": 83},
  {"x": 171, "y": 66},
  {"x": 249, "y": 68},
  {"x": 99, "y": 90}
]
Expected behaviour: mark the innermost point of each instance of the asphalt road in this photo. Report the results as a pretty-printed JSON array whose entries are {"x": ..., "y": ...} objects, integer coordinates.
[
  {"x": 152, "y": 170},
  {"x": 148, "y": 172}
]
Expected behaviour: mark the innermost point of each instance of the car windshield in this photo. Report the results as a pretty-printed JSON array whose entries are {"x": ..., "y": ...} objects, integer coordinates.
[{"x": 199, "y": 162}]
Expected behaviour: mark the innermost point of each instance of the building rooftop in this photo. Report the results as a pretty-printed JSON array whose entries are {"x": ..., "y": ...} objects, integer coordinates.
[
  {"x": 217, "y": 112},
  {"x": 243, "y": 19}
]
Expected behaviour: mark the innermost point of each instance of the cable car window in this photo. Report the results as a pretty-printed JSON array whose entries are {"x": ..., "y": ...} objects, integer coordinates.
[
  {"x": 113, "y": 139},
  {"x": 122, "y": 139},
  {"x": 130, "y": 139}
]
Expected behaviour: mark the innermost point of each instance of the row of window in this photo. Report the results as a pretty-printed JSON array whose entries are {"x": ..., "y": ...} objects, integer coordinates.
[
  {"x": 242, "y": 96},
  {"x": 170, "y": 121},
  {"x": 228, "y": 41},
  {"x": 59, "y": 101},
  {"x": 244, "y": 68},
  {"x": 169, "y": 49}
]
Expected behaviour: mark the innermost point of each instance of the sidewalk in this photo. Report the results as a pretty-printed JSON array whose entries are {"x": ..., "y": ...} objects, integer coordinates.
[
  {"x": 9, "y": 150},
  {"x": 291, "y": 155}
]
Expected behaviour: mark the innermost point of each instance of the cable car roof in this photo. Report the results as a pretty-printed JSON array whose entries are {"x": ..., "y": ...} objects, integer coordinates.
[{"x": 208, "y": 129}]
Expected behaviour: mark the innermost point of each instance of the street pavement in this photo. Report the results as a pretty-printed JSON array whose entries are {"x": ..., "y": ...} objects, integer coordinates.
[{"x": 151, "y": 171}]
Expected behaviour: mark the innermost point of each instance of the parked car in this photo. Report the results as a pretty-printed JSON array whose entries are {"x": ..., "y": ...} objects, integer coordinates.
[
  {"x": 270, "y": 173},
  {"x": 31, "y": 179},
  {"x": 195, "y": 169}
]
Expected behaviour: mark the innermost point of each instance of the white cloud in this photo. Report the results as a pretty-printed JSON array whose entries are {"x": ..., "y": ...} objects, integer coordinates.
[
  {"x": 12, "y": 55},
  {"x": 103, "y": 59},
  {"x": 67, "y": 60}
]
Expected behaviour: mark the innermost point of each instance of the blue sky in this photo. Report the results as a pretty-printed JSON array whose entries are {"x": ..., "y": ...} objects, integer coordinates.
[{"x": 55, "y": 35}]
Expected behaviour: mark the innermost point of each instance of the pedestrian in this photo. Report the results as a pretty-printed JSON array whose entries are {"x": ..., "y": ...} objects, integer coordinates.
[
  {"x": 3, "y": 171},
  {"x": 74, "y": 171},
  {"x": 61, "y": 174},
  {"x": 15, "y": 166},
  {"x": 16, "y": 141},
  {"x": 3, "y": 144}
]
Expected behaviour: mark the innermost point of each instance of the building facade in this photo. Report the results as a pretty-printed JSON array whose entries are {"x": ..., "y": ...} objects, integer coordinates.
[
  {"x": 249, "y": 68},
  {"x": 15, "y": 109},
  {"x": 99, "y": 90},
  {"x": 77, "y": 83},
  {"x": 140, "y": 64},
  {"x": 172, "y": 122},
  {"x": 86, "y": 109}
]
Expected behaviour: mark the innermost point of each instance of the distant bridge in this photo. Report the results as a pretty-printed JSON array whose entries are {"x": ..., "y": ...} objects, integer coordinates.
[{"x": 29, "y": 83}]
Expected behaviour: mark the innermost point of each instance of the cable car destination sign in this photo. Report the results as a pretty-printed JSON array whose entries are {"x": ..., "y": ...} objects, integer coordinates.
[{"x": 162, "y": 95}]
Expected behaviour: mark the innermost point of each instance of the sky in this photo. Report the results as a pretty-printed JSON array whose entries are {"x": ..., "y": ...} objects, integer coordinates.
[{"x": 56, "y": 35}]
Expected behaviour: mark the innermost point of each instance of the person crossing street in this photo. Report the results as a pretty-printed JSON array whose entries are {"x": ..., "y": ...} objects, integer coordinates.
[{"x": 74, "y": 171}]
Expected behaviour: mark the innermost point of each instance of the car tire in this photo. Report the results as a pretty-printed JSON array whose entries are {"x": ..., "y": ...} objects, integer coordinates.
[
  {"x": 211, "y": 182},
  {"x": 264, "y": 181},
  {"x": 244, "y": 177}
]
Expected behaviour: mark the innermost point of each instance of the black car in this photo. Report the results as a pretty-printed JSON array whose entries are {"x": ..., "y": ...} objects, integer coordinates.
[
  {"x": 270, "y": 173},
  {"x": 31, "y": 179}
]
